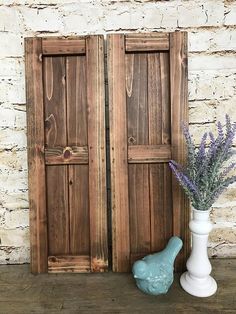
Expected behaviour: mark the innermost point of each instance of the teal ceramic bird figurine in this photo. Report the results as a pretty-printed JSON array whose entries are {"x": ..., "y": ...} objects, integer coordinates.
[{"x": 154, "y": 273}]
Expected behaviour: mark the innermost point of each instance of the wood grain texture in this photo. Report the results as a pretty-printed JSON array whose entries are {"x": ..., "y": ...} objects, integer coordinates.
[
  {"x": 76, "y": 101},
  {"x": 79, "y": 210},
  {"x": 69, "y": 264},
  {"x": 149, "y": 153},
  {"x": 66, "y": 155},
  {"x": 147, "y": 42},
  {"x": 179, "y": 114},
  {"x": 63, "y": 46},
  {"x": 159, "y": 134},
  {"x": 108, "y": 293},
  {"x": 118, "y": 154},
  {"x": 97, "y": 153},
  {"x": 158, "y": 98},
  {"x": 56, "y": 136},
  {"x": 137, "y": 123},
  {"x": 139, "y": 209},
  {"x": 77, "y": 133},
  {"x": 58, "y": 210},
  {"x": 35, "y": 130},
  {"x": 55, "y": 102},
  {"x": 160, "y": 206}
]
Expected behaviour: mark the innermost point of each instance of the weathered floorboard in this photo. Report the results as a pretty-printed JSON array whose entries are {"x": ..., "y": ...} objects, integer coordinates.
[{"x": 22, "y": 292}]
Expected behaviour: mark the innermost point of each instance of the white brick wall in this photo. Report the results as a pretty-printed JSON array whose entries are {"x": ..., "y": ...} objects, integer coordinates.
[{"x": 211, "y": 25}]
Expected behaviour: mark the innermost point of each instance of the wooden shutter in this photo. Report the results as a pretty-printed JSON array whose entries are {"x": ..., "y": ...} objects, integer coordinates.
[
  {"x": 66, "y": 153},
  {"x": 147, "y": 77}
]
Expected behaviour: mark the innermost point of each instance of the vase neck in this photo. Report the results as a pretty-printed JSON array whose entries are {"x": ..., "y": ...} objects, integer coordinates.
[{"x": 201, "y": 215}]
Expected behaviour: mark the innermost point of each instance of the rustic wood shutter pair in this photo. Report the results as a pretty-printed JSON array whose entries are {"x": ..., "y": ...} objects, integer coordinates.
[{"x": 147, "y": 80}]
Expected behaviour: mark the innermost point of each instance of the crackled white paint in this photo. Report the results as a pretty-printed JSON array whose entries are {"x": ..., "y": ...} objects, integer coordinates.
[{"x": 211, "y": 25}]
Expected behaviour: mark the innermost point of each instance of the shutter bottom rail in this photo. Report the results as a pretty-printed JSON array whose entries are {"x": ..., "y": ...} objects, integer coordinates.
[{"x": 69, "y": 263}]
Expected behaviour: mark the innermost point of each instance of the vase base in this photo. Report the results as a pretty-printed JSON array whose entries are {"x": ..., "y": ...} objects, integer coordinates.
[{"x": 198, "y": 287}]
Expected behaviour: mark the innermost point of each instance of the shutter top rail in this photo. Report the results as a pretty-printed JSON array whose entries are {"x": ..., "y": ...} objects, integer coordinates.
[
  {"x": 65, "y": 46},
  {"x": 147, "y": 42}
]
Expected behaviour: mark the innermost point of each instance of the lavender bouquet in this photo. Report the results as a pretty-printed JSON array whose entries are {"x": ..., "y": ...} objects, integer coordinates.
[{"x": 206, "y": 175}]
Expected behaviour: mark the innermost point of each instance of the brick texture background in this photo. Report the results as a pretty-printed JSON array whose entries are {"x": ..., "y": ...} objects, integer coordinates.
[{"x": 211, "y": 25}]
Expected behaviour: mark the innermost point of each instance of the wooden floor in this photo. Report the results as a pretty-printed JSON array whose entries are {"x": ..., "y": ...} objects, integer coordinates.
[{"x": 22, "y": 292}]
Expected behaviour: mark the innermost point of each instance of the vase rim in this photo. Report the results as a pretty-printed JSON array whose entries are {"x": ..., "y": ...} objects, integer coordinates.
[{"x": 200, "y": 211}]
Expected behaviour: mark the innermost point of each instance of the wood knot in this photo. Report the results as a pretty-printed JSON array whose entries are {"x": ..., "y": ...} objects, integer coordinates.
[
  {"x": 67, "y": 153},
  {"x": 131, "y": 140}
]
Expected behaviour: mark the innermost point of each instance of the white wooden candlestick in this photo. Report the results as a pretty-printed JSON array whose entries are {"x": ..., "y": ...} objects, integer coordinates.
[{"x": 197, "y": 280}]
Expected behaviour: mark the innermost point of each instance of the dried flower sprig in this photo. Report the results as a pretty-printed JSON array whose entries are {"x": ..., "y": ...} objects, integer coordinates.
[{"x": 205, "y": 176}]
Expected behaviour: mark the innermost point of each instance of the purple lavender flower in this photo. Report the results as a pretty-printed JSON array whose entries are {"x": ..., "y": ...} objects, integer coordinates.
[{"x": 205, "y": 176}]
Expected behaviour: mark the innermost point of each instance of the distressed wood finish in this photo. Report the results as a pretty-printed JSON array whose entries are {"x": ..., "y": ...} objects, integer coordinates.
[
  {"x": 72, "y": 264},
  {"x": 66, "y": 155},
  {"x": 149, "y": 153},
  {"x": 66, "y": 124},
  {"x": 35, "y": 129},
  {"x": 143, "y": 140},
  {"x": 179, "y": 113},
  {"x": 108, "y": 293},
  {"x": 63, "y": 46},
  {"x": 77, "y": 129},
  {"x": 55, "y": 135},
  {"x": 58, "y": 210},
  {"x": 97, "y": 153},
  {"x": 118, "y": 154},
  {"x": 147, "y": 42}
]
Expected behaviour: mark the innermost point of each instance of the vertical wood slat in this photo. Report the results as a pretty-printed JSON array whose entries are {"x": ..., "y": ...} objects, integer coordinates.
[
  {"x": 54, "y": 82},
  {"x": 137, "y": 122},
  {"x": 97, "y": 153},
  {"x": 35, "y": 129},
  {"x": 159, "y": 133},
  {"x": 179, "y": 114},
  {"x": 118, "y": 154},
  {"x": 58, "y": 210},
  {"x": 77, "y": 136}
]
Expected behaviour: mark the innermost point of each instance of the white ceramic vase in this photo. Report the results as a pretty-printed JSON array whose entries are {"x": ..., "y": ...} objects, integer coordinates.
[{"x": 197, "y": 280}]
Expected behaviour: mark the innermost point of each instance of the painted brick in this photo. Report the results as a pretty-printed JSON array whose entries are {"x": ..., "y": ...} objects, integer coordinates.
[
  {"x": 123, "y": 17},
  {"x": 14, "y": 255},
  {"x": 223, "y": 214},
  {"x": 230, "y": 13},
  {"x": 12, "y": 116},
  {"x": 212, "y": 92},
  {"x": 227, "y": 199},
  {"x": 201, "y": 111},
  {"x": 16, "y": 219},
  {"x": 217, "y": 40},
  {"x": 227, "y": 235},
  {"x": 12, "y": 138},
  {"x": 14, "y": 237},
  {"x": 200, "y": 13},
  {"x": 17, "y": 199},
  {"x": 211, "y": 85},
  {"x": 11, "y": 45},
  {"x": 197, "y": 130},
  {"x": 222, "y": 250},
  {"x": 2, "y": 216},
  {"x": 12, "y": 91},
  {"x": 211, "y": 62},
  {"x": 12, "y": 68},
  {"x": 9, "y": 20},
  {"x": 13, "y": 180},
  {"x": 41, "y": 19},
  {"x": 13, "y": 160},
  {"x": 227, "y": 106}
]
